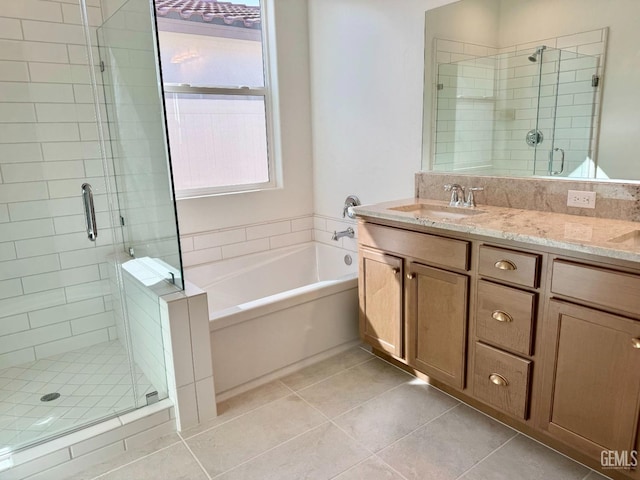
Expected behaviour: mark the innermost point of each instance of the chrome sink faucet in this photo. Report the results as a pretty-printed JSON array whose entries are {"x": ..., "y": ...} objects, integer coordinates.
[
  {"x": 456, "y": 190},
  {"x": 458, "y": 195}
]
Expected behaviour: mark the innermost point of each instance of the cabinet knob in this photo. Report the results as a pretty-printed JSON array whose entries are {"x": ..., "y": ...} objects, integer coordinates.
[
  {"x": 411, "y": 276},
  {"x": 501, "y": 316},
  {"x": 635, "y": 342},
  {"x": 498, "y": 379},
  {"x": 505, "y": 265},
  {"x": 395, "y": 270}
]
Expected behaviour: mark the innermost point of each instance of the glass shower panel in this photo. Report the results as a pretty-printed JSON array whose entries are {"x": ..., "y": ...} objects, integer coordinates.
[
  {"x": 465, "y": 116},
  {"x": 62, "y": 362},
  {"x": 137, "y": 136}
]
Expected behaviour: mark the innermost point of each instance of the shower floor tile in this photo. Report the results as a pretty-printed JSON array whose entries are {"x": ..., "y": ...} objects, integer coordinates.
[{"x": 93, "y": 383}]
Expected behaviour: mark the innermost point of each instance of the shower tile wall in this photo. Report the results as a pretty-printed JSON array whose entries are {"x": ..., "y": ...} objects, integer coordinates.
[
  {"x": 464, "y": 133},
  {"x": 51, "y": 282}
]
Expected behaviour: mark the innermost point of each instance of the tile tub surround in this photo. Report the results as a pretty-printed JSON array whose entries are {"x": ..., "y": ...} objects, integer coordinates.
[
  {"x": 615, "y": 200},
  {"x": 334, "y": 420},
  {"x": 217, "y": 245}
]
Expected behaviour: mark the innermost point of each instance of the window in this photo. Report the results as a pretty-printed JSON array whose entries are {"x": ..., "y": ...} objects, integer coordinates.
[{"x": 217, "y": 94}]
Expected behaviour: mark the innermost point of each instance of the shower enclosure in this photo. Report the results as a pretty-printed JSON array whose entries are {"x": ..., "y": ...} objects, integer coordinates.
[
  {"x": 531, "y": 112},
  {"x": 89, "y": 234}
]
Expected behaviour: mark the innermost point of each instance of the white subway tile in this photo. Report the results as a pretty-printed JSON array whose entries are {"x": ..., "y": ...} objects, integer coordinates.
[
  {"x": 10, "y": 28},
  {"x": 50, "y": 72},
  {"x": 186, "y": 244},
  {"x": 206, "y": 398},
  {"x": 27, "y": 303},
  {"x": 44, "y": 209},
  {"x": 20, "y": 152},
  {"x": 86, "y": 291},
  {"x": 13, "y": 324},
  {"x": 28, "y": 229},
  {"x": 92, "y": 322},
  {"x": 18, "y": 133},
  {"x": 13, "y": 71},
  {"x": 17, "y": 112},
  {"x": 10, "y": 288},
  {"x": 31, "y": 172},
  {"x": 23, "y": 192},
  {"x": 217, "y": 239},
  {"x": 198, "y": 257},
  {"x": 290, "y": 239},
  {"x": 200, "y": 338},
  {"x": 66, "y": 312},
  {"x": 51, "y": 132},
  {"x": 52, "y": 112},
  {"x": 71, "y": 343},
  {"x": 34, "y": 336},
  {"x": 7, "y": 251},
  {"x": 76, "y": 465},
  {"x": 32, "y": 51},
  {"x": 52, "y": 32},
  {"x": 319, "y": 223},
  {"x": 37, "y": 465},
  {"x": 299, "y": 224},
  {"x": 61, "y": 278},
  {"x": 146, "y": 436},
  {"x": 33, "y": 10},
  {"x": 181, "y": 341},
  {"x": 84, "y": 257},
  {"x": 29, "y": 266},
  {"x": 245, "y": 248},
  {"x": 566, "y": 41},
  {"x": 268, "y": 230},
  {"x": 63, "y": 151},
  {"x": 187, "y": 407},
  {"x": 18, "y": 357}
]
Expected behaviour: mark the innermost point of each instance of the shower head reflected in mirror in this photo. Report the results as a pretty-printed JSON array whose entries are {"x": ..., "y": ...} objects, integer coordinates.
[{"x": 534, "y": 56}]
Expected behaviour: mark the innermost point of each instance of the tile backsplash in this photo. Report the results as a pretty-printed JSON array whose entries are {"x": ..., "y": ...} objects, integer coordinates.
[{"x": 619, "y": 201}]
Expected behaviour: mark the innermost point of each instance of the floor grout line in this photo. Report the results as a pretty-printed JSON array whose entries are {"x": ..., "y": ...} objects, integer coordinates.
[
  {"x": 485, "y": 457},
  {"x": 195, "y": 458},
  {"x": 134, "y": 461},
  {"x": 333, "y": 374}
]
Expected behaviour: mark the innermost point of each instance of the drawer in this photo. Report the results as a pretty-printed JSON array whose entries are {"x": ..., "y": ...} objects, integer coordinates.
[
  {"x": 504, "y": 317},
  {"x": 509, "y": 266},
  {"x": 601, "y": 286},
  {"x": 502, "y": 380},
  {"x": 430, "y": 249}
]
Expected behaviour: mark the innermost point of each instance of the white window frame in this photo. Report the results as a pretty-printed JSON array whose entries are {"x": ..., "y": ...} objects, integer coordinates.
[{"x": 272, "y": 120}]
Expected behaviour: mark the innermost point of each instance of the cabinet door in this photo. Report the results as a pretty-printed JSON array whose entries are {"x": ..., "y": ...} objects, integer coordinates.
[
  {"x": 591, "y": 392},
  {"x": 437, "y": 311},
  {"x": 381, "y": 309}
]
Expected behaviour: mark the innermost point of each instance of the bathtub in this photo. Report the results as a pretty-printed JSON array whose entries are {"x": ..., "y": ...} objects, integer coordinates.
[{"x": 276, "y": 311}]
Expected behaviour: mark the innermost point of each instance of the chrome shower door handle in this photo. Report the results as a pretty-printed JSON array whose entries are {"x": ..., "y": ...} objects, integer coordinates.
[
  {"x": 89, "y": 212},
  {"x": 558, "y": 172}
]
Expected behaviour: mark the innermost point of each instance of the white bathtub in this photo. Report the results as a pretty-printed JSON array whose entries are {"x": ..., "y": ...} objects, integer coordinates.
[{"x": 274, "y": 312}]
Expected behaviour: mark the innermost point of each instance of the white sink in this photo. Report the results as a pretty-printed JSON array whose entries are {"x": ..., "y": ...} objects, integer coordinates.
[{"x": 437, "y": 211}]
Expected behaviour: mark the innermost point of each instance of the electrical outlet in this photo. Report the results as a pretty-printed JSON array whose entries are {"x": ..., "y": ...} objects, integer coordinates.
[{"x": 581, "y": 199}]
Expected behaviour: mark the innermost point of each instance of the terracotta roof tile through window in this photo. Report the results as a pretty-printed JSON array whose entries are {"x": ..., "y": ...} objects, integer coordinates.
[{"x": 225, "y": 13}]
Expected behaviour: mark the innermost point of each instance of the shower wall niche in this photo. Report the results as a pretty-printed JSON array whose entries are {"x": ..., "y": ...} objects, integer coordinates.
[{"x": 523, "y": 110}]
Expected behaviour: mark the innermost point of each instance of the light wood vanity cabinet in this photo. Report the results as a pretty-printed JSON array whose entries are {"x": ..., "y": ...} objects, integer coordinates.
[
  {"x": 591, "y": 383},
  {"x": 408, "y": 300},
  {"x": 546, "y": 342}
]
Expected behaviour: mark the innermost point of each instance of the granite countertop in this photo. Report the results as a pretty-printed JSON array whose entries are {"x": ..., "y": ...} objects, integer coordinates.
[{"x": 576, "y": 233}]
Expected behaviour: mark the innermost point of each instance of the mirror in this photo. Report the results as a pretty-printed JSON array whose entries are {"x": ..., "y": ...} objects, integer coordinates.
[{"x": 499, "y": 70}]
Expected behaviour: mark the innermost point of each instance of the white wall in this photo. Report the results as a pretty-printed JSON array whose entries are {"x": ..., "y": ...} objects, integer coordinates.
[
  {"x": 294, "y": 199},
  {"x": 367, "y": 62}
]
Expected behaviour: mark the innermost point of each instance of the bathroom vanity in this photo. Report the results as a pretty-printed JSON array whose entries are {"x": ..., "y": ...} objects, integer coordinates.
[{"x": 513, "y": 311}]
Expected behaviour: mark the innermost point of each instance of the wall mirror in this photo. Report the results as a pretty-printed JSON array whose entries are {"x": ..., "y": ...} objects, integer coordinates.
[{"x": 533, "y": 88}]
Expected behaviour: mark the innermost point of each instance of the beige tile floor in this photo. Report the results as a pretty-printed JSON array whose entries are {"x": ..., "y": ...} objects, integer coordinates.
[{"x": 350, "y": 417}]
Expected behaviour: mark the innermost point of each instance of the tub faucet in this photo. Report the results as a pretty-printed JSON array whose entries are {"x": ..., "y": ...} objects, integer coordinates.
[{"x": 349, "y": 232}]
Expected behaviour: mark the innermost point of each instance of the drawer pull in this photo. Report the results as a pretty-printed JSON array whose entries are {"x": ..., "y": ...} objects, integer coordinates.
[
  {"x": 498, "y": 379},
  {"x": 395, "y": 270},
  {"x": 635, "y": 342},
  {"x": 411, "y": 276},
  {"x": 505, "y": 265},
  {"x": 501, "y": 316}
]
